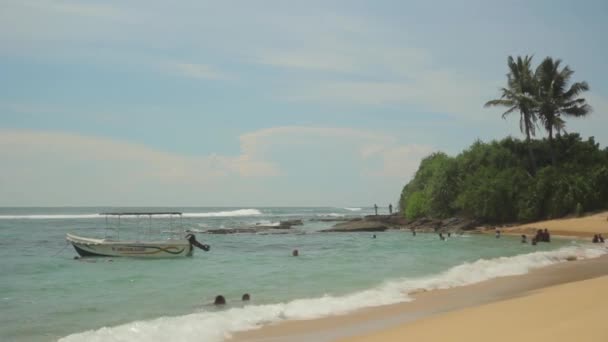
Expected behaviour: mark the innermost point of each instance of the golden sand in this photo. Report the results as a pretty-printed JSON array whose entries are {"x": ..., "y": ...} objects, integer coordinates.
[
  {"x": 581, "y": 226},
  {"x": 570, "y": 312}
]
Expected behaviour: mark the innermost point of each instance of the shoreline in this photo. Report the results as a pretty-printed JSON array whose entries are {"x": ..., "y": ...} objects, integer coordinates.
[
  {"x": 436, "y": 302},
  {"x": 576, "y": 227},
  {"x": 548, "y": 314},
  {"x": 426, "y": 304}
]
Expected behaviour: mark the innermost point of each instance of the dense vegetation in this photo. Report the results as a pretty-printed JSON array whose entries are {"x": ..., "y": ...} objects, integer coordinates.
[{"x": 514, "y": 180}]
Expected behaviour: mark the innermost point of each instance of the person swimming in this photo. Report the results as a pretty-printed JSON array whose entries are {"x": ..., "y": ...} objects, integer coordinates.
[
  {"x": 295, "y": 253},
  {"x": 219, "y": 300},
  {"x": 245, "y": 297}
]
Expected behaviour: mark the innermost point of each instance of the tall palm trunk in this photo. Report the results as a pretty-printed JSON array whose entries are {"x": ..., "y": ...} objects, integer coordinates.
[
  {"x": 552, "y": 146},
  {"x": 530, "y": 152}
]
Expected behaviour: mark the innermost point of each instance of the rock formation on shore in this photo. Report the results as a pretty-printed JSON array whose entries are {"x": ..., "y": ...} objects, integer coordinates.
[
  {"x": 259, "y": 228},
  {"x": 374, "y": 223}
]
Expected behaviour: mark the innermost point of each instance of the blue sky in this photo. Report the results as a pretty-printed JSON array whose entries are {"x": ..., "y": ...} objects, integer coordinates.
[{"x": 243, "y": 103}]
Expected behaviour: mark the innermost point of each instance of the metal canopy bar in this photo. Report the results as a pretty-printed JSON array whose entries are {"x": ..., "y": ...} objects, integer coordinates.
[{"x": 141, "y": 213}]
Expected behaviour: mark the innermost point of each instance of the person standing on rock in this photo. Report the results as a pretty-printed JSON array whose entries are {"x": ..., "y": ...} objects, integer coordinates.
[
  {"x": 390, "y": 208},
  {"x": 376, "y": 209}
]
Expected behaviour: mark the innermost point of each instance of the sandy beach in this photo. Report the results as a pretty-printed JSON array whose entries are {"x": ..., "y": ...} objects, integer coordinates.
[
  {"x": 583, "y": 227},
  {"x": 568, "y": 312},
  {"x": 561, "y": 302}
]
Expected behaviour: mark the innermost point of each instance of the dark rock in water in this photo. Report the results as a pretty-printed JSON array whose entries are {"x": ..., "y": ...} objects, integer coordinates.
[
  {"x": 393, "y": 220},
  {"x": 397, "y": 221},
  {"x": 297, "y": 222},
  {"x": 265, "y": 230},
  {"x": 334, "y": 219},
  {"x": 357, "y": 226},
  {"x": 287, "y": 224},
  {"x": 229, "y": 231}
]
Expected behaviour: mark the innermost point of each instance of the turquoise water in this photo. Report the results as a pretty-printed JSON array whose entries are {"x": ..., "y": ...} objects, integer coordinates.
[{"x": 45, "y": 294}]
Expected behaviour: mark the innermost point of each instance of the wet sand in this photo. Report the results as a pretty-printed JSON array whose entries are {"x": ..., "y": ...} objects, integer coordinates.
[
  {"x": 379, "y": 323},
  {"x": 563, "y": 313}
]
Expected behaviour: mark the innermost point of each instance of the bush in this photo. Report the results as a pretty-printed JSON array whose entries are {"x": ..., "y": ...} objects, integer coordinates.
[
  {"x": 493, "y": 182},
  {"x": 579, "y": 209}
]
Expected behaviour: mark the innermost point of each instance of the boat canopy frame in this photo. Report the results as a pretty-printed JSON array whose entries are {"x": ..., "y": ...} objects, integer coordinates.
[{"x": 171, "y": 214}]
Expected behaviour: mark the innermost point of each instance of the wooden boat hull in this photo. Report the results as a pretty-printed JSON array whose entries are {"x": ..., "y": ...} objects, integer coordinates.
[{"x": 89, "y": 247}]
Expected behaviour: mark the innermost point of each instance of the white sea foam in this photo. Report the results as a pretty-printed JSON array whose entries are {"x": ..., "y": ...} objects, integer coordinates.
[
  {"x": 353, "y": 209},
  {"x": 331, "y": 215},
  {"x": 216, "y": 326},
  {"x": 49, "y": 216},
  {"x": 239, "y": 212},
  {"x": 230, "y": 213},
  {"x": 268, "y": 223}
]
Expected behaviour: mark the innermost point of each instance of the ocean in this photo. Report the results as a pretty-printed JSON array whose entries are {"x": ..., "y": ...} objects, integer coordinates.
[{"x": 47, "y": 295}]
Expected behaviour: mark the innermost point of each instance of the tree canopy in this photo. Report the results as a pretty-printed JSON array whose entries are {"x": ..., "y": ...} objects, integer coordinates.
[
  {"x": 490, "y": 182},
  {"x": 496, "y": 182}
]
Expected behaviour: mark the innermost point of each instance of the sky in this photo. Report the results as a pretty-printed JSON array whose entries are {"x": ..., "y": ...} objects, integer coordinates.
[{"x": 265, "y": 103}]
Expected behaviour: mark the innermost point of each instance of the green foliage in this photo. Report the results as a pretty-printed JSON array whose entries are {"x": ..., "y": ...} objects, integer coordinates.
[
  {"x": 579, "y": 210},
  {"x": 416, "y": 205},
  {"x": 491, "y": 182}
]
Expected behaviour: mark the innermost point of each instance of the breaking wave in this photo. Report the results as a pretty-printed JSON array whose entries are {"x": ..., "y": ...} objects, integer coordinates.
[
  {"x": 230, "y": 213},
  {"x": 216, "y": 326}
]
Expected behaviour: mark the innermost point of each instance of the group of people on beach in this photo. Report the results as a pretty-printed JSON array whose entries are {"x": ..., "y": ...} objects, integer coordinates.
[
  {"x": 598, "y": 238},
  {"x": 541, "y": 236},
  {"x": 390, "y": 209}
]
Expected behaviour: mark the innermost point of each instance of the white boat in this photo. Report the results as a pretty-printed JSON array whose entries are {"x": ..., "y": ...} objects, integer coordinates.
[{"x": 183, "y": 245}]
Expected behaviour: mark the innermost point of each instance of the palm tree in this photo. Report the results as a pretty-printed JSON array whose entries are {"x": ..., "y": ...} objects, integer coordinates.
[
  {"x": 555, "y": 99},
  {"x": 520, "y": 95}
]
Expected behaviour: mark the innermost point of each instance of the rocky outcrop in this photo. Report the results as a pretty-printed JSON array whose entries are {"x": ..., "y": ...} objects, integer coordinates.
[
  {"x": 334, "y": 219},
  {"x": 358, "y": 226},
  {"x": 258, "y": 228},
  {"x": 396, "y": 221},
  {"x": 290, "y": 223},
  {"x": 252, "y": 230}
]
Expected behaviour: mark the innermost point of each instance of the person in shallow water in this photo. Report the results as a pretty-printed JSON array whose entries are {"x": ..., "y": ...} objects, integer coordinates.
[
  {"x": 497, "y": 233},
  {"x": 295, "y": 252},
  {"x": 601, "y": 238},
  {"x": 245, "y": 297},
  {"x": 524, "y": 239},
  {"x": 441, "y": 236},
  {"x": 390, "y": 208},
  {"x": 219, "y": 300},
  {"x": 376, "y": 209},
  {"x": 596, "y": 239}
]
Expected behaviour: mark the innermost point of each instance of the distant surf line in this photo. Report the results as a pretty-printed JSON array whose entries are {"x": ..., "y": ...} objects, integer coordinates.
[{"x": 230, "y": 213}]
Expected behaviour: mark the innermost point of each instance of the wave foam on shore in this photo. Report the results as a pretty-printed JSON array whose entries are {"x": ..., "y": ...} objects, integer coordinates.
[{"x": 216, "y": 326}]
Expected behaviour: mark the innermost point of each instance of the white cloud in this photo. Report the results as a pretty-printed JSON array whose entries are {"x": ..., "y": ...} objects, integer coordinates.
[
  {"x": 53, "y": 168},
  {"x": 143, "y": 161},
  {"x": 395, "y": 160},
  {"x": 372, "y": 70}
]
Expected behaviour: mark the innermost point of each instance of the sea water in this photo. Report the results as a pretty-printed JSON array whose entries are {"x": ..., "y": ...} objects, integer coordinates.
[{"x": 47, "y": 295}]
